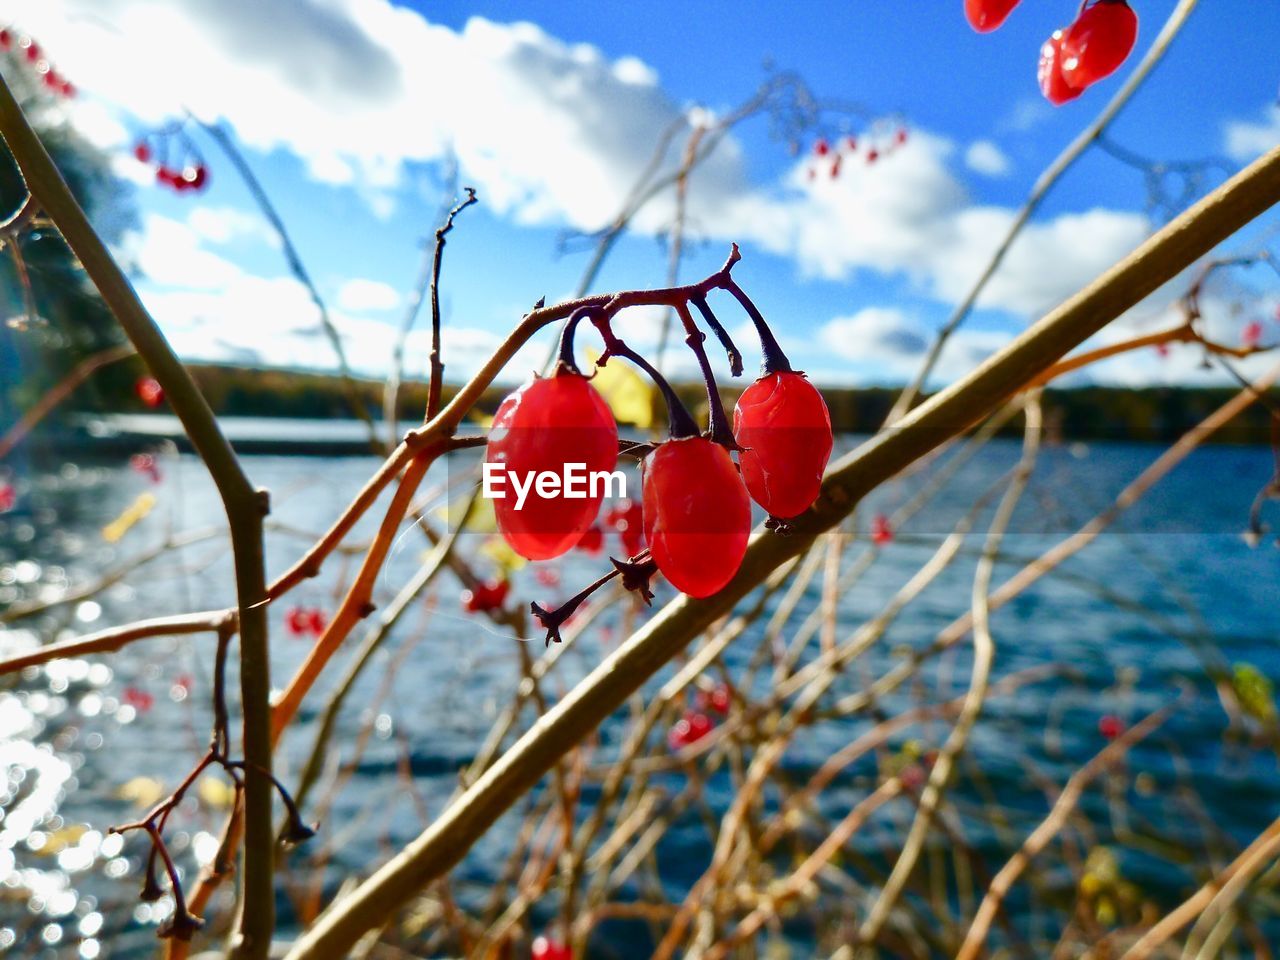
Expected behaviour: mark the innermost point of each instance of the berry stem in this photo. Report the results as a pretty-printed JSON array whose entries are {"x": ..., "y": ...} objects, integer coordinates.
[
  {"x": 564, "y": 355},
  {"x": 681, "y": 424},
  {"x": 730, "y": 348},
  {"x": 717, "y": 423},
  {"x": 772, "y": 359}
]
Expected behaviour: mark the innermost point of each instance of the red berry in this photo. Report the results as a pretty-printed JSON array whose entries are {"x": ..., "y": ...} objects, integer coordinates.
[
  {"x": 901, "y": 136},
  {"x": 872, "y": 156},
  {"x": 697, "y": 516},
  {"x": 547, "y": 576},
  {"x": 987, "y": 15},
  {"x": 68, "y": 89},
  {"x": 295, "y": 621},
  {"x": 881, "y": 530},
  {"x": 627, "y": 518},
  {"x": 6, "y": 39},
  {"x": 1162, "y": 350},
  {"x": 547, "y": 948},
  {"x": 139, "y": 699},
  {"x": 167, "y": 178},
  {"x": 182, "y": 683},
  {"x": 1110, "y": 726},
  {"x": 1098, "y": 42},
  {"x": 835, "y": 167},
  {"x": 546, "y": 424},
  {"x": 912, "y": 777},
  {"x": 51, "y": 79},
  {"x": 142, "y": 152},
  {"x": 851, "y": 144},
  {"x": 1251, "y": 334},
  {"x": 194, "y": 178},
  {"x": 717, "y": 701},
  {"x": 8, "y": 497},
  {"x": 33, "y": 49},
  {"x": 316, "y": 621},
  {"x": 783, "y": 425},
  {"x": 486, "y": 597},
  {"x": 149, "y": 391},
  {"x": 1052, "y": 84},
  {"x": 592, "y": 541},
  {"x": 690, "y": 728},
  {"x": 821, "y": 148}
]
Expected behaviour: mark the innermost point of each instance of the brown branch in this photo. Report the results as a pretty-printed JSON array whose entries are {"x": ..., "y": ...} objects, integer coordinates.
[
  {"x": 437, "y": 258},
  {"x": 108, "y": 641}
]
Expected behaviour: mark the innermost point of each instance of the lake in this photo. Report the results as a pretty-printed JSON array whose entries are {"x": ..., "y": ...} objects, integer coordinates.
[{"x": 1171, "y": 587}]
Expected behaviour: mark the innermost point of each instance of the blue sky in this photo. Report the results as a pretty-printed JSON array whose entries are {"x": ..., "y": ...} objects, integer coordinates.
[{"x": 350, "y": 109}]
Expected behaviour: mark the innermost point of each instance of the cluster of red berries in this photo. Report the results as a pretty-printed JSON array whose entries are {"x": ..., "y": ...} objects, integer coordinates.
[
  {"x": 834, "y": 157},
  {"x": 1090, "y": 48},
  {"x": 138, "y": 698},
  {"x": 192, "y": 176},
  {"x": 149, "y": 391},
  {"x": 33, "y": 56},
  {"x": 486, "y": 597},
  {"x": 697, "y": 723},
  {"x": 695, "y": 510},
  {"x": 300, "y": 621}
]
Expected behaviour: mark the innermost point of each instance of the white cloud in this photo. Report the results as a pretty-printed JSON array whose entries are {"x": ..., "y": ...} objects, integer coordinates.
[
  {"x": 887, "y": 344},
  {"x": 1246, "y": 139},
  {"x": 360, "y": 294},
  {"x": 984, "y": 157},
  {"x": 222, "y": 225},
  {"x": 908, "y": 215}
]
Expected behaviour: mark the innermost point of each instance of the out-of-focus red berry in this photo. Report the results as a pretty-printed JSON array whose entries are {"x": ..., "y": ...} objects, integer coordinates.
[
  {"x": 317, "y": 620},
  {"x": 901, "y": 136},
  {"x": 717, "y": 700},
  {"x": 835, "y": 168},
  {"x": 1110, "y": 726},
  {"x": 881, "y": 530},
  {"x": 486, "y": 597},
  {"x": 690, "y": 728},
  {"x": 627, "y": 518},
  {"x": 987, "y": 15},
  {"x": 6, "y": 39},
  {"x": 851, "y": 144},
  {"x": 138, "y": 698},
  {"x": 549, "y": 948},
  {"x": 1053, "y": 84},
  {"x": 821, "y": 148},
  {"x": 1251, "y": 335},
  {"x": 33, "y": 49},
  {"x": 1162, "y": 350},
  {"x": 295, "y": 621},
  {"x": 872, "y": 156},
  {"x": 591, "y": 541},
  {"x": 8, "y": 496},
  {"x": 142, "y": 152},
  {"x": 547, "y": 576},
  {"x": 912, "y": 776},
  {"x": 149, "y": 391},
  {"x": 1101, "y": 39}
]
